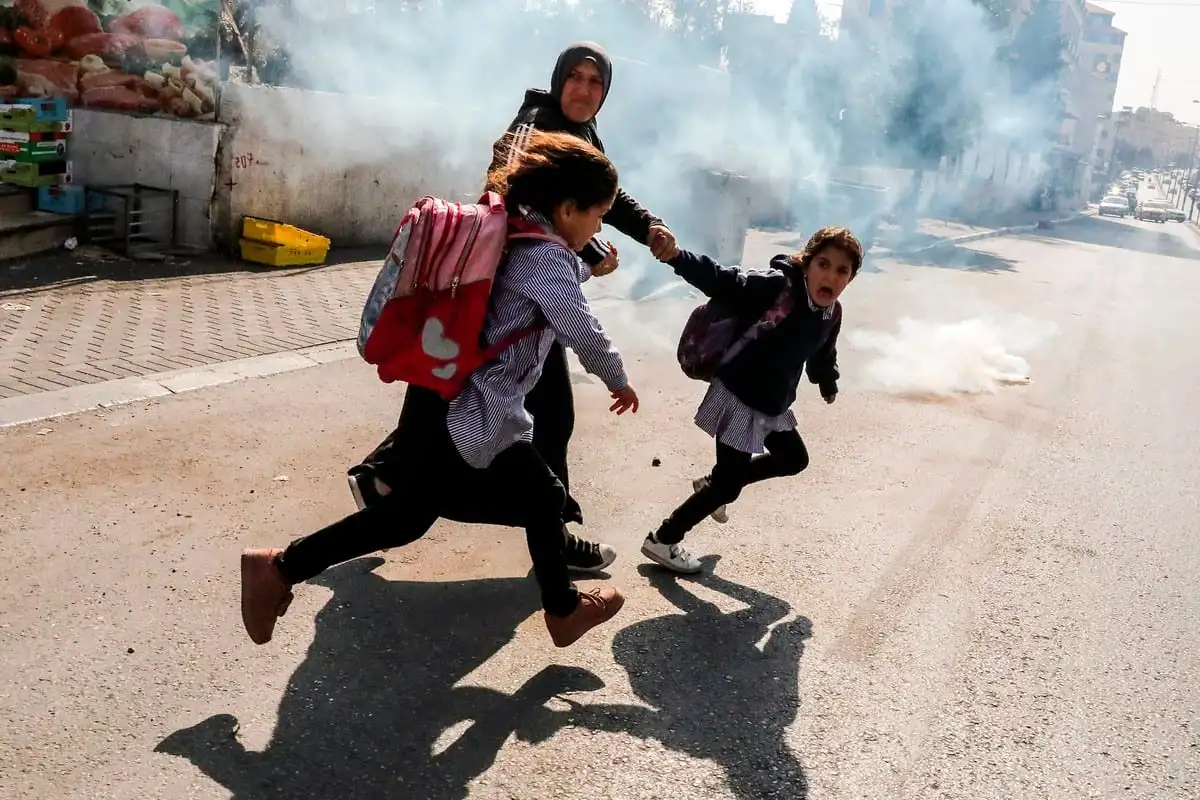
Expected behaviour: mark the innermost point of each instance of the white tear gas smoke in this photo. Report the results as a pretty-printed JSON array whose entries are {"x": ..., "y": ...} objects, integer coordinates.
[
  {"x": 940, "y": 359},
  {"x": 788, "y": 108}
]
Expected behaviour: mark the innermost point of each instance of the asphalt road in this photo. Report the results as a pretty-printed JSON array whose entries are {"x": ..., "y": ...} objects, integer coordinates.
[{"x": 966, "y": 596}]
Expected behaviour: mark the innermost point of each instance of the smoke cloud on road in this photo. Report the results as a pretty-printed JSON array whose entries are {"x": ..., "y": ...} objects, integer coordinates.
[{"x": 939, "y": 359}]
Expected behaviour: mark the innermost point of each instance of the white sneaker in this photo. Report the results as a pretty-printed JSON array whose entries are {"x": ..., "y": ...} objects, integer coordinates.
[
  {"x": 721, "y": 515},
  {"x": 672, "y": 556}
]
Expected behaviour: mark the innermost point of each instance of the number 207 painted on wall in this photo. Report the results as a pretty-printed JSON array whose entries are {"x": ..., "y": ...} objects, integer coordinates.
[{"x": 242, "y": 162}]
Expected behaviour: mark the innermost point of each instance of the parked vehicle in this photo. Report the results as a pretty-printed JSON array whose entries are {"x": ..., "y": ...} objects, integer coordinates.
[
  {"x": 1152, "y": 211},
  {"x": 1175, "y": 215},
  {"x": 1113, "y": 205}
]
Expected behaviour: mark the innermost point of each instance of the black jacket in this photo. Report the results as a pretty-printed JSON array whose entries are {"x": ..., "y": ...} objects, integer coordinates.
[
  {"x": 767, "y": 372},
  {"x": 542, "y": 112}
]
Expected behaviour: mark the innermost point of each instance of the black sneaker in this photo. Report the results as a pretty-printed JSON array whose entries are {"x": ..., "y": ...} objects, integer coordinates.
[
  {"x": 589, "y": 557},
  {"x": 571, "y": 511},
  {"x": 365, "y": 488}
]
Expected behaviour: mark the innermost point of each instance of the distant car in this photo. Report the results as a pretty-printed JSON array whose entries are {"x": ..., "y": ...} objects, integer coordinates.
[
  {"x": 1152, "y": 211},
  {"x": 1113, "y": 205},
  {"x": 1175, "y": 215}
]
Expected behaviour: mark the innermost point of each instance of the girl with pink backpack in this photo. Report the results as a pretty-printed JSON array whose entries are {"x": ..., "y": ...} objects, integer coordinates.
[{"x": 467, "y": 318}]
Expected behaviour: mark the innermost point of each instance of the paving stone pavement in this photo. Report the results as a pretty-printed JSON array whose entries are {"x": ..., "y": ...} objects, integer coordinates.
[{"x": 56, "y": 338}]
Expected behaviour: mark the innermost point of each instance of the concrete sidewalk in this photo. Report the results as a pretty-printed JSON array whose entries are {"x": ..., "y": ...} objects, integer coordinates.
[{"x": 60, "y": 337}]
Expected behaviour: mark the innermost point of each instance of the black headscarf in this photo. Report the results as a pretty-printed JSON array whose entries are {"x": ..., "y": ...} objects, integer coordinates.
[{"x": 569, "y": 58}]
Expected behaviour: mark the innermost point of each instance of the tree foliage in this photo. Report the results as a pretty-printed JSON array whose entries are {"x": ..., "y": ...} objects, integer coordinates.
[
  {"x": 1037, "y": 54},
  {"x": 933, "y": 114}
]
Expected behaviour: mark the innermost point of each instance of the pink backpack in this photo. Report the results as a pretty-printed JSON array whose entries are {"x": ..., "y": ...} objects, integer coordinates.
[{"x": 423, "y": 319}]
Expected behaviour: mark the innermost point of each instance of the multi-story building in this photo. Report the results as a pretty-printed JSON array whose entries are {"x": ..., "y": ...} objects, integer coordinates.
[
  {"x": 1099, "y": 66},
  {"x": 1153, "y": 138}
]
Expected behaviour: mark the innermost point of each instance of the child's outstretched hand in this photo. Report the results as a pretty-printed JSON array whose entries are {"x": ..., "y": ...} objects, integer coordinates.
[
  {"x": 829, "y": 398},
  {"x": 625, "y": 400}
]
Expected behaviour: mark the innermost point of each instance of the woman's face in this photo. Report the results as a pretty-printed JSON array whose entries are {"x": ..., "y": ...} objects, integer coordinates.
[
  {"x": 578, "y": 225},
  {"x": 582, "y": 92}
]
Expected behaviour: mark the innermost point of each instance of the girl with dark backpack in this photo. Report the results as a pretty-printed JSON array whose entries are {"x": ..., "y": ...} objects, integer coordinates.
[
  {"x": 470, "y": 457},
  {"x": 752, "y": 341}
]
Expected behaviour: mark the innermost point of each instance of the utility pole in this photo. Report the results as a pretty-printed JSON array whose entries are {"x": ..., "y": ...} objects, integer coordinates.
[
  {"x": 1187, "y": 176},
  {"x": 1191, "y": 187}
]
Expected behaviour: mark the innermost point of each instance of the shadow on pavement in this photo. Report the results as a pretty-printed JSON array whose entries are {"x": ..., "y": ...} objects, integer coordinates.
[
  {"x": 715, "y": 695},
  {"x": 62, "y": 269},
  {"x": 957, "y": 257},
  {"x": 1166, "y": 239},
  {"x": 361, "y": 716}
]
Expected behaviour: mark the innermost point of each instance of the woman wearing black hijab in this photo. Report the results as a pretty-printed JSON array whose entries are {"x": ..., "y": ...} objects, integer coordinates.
[{"x": 578, "y": 88}]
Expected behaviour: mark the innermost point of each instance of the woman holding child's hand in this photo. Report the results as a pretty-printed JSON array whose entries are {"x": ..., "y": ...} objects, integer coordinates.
[{"x": 662, "y": 243}]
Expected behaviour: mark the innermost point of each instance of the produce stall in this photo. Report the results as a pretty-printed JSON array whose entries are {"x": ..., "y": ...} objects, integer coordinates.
[{"x": 119, "y": 55}]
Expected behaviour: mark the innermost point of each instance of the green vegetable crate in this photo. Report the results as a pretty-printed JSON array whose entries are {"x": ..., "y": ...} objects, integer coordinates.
[
  {"x": 47, "y": 173},
  {"x": 33, "y": 148},
  {"x": 33, "y": 142},
  {"x": 36, "y": 115}
]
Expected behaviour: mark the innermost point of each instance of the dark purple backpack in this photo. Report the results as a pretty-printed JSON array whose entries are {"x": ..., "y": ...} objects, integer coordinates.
[{"x": 711, "y": 336}]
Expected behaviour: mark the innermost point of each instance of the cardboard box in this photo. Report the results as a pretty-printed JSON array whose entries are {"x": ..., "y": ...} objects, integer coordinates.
[{"x": 47, "y": 173}]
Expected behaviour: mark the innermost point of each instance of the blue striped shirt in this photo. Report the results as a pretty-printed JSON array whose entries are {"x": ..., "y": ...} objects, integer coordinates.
[{"x": 539, "y": 284}]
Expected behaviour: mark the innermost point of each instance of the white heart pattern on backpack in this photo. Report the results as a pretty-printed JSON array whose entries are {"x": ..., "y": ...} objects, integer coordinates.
[
  {"x": 445, "y": 371},
  {"x": 434, "y": 341}
]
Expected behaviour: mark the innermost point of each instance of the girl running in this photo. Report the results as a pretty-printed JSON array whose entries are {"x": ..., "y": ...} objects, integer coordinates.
[
  {"x": 472, "y": 459},
  {"x": 747, "y": 408}
]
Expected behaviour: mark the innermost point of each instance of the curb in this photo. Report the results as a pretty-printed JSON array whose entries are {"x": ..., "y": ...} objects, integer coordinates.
[
  {"x": 89, "y": 397},
  {"x": 973, "y": 237}
]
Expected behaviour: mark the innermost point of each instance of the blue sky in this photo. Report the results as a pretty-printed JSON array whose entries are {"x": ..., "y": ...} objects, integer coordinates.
[{"x": 1162, "y": 33}]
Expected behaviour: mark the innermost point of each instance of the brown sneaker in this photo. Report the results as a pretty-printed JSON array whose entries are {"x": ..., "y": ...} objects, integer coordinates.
[
  {"x": 265, "y": 594},
  {"x": 595, "y": 608}
]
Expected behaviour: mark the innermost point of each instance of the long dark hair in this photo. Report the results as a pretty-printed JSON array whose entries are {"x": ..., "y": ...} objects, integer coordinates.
[{"x": 551, "y": 168}]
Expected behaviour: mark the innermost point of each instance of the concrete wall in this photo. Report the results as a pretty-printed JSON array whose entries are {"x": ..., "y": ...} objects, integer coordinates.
[
  {"x": 339, "y": 165},
  {"x": 110, "y": 148}
]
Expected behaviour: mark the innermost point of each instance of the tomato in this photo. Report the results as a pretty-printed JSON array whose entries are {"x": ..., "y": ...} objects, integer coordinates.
[
  {"x": 56, "y": 38},
  {"x": 38, "y": 44},
  {"x": 75, "y": 21}
]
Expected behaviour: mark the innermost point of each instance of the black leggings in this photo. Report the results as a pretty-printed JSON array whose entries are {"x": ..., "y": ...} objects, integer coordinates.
[
  {"x": 734, "y": 471},
  {"x": 551, "y": 403},
  {"x": 517, "y": 489}
]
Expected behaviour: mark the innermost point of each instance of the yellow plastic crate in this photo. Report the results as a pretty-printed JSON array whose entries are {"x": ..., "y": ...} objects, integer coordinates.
[
  {"x": 271, "y": 232},
  {"x": 280, "y": 255}
]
